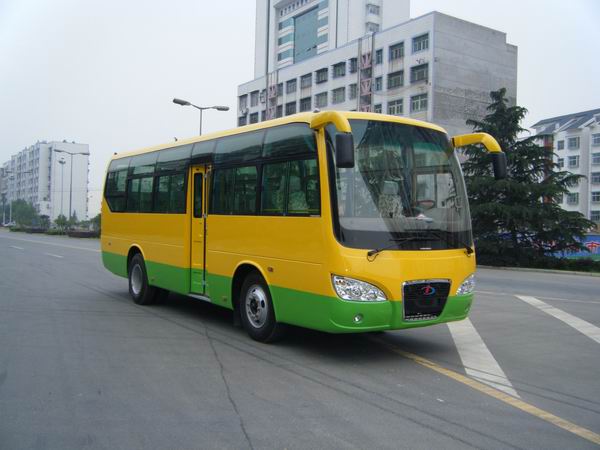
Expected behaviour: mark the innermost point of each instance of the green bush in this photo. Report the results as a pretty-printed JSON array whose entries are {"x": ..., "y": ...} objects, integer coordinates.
[{"x": 56, "y": 232}]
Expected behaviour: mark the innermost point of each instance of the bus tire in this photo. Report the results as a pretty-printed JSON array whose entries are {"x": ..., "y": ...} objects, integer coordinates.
[
  {"x": 257, "y": 312},
  {"x": 139, "y": 289}
]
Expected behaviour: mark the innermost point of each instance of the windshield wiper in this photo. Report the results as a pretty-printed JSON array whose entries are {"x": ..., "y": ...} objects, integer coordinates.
[
  {"x": 372, "y": 254},
  {"x": 443, "y": 235}
]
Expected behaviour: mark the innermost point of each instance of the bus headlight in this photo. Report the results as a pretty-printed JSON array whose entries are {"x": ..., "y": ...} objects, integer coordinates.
[
  {"x": 358, "y": 291},
  {"x": 467, "y": 286}
]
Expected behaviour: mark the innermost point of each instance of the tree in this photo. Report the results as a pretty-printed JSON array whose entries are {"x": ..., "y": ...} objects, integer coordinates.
[
  {"x": 73, "y": 220},
  {"x": 24, "y": 214},
  {"x": 44, "y": 221},
  {"x": 61, "y": 222},
  {"x": 97, "y": 222},
  {"x": 519, "y": 219}
]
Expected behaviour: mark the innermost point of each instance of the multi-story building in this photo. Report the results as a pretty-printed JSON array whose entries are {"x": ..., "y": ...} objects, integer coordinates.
[
  {"x": 370, "y": 56},
  {"x": 575, "y": 141},
  {"x": 41, "y": 175}
]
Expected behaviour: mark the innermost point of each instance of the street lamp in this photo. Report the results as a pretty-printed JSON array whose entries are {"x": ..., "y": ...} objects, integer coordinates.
[
  {"x": 180, "y": 102},
  {"x": 71, "y": 177},
  {"x": 62, "y": 163}
]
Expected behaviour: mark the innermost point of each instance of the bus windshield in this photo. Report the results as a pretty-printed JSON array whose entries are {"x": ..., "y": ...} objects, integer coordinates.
[{"x": 405, "y": 192}]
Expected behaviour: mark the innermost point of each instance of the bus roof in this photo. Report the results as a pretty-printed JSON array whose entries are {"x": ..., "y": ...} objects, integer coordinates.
[{"x": 305, "y": 117}]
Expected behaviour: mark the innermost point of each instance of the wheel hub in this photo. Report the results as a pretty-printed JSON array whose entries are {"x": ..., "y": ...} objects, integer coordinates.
[{"x": 256, "y": 306}]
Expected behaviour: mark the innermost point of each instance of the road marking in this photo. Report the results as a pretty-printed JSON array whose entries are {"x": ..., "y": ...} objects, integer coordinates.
[
  {"x": 495, "y": 393},
  {"x": 18, "y": 248},
  {"x": 53, "y": 255},
  {"x": 478, "y": 361},
  {"x": 50, "y": 243},
  {"x": 558, "y": 299},
  {"x": 591, "y": 331}
]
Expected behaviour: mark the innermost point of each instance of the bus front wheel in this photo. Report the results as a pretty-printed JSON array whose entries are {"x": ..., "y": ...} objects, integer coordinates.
[
  {"x": 139, "y": 289},
  {"x": 256, "y": 310}
]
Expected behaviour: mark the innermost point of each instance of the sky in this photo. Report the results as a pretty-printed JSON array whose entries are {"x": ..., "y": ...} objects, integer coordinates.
[{"x": 104, "y": 72}]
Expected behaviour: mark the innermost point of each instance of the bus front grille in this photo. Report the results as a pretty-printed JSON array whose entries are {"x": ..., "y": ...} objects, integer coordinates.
[{"x": 424, "y": 299}]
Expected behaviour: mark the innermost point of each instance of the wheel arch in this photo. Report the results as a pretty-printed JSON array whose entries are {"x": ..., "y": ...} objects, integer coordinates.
[{"x": 239, "y": 275}]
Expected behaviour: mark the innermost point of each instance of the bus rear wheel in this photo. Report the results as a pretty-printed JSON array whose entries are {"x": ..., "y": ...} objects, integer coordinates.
[
  {"x": 139, "y": 289},
  {"x": 257, "y": 312}
]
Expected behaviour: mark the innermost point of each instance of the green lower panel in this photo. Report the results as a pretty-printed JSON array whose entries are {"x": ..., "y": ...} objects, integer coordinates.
[
  {"x": 338, "y": 316},
  {"x": 319, "y": 312},
  {"x": 117, "y": 264},
  {"x": 168, "y": 277}
]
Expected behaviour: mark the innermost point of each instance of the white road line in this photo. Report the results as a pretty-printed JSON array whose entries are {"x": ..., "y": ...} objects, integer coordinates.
[
  {"x": 557, "y": 299},
  {"x": 478, "y": 361},
  {"x": 18, "y": 248},
  {"x": 50, "y": 243},
  {"x": 53, "y": 255},
  {"x": 591, "y": 331}
]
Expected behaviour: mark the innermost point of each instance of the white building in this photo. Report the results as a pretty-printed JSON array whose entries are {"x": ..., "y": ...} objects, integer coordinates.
[
  {"x": 41, "y": 175},
  {"x": 575, "y": 140},
  {"x": 370, "y": 56}
]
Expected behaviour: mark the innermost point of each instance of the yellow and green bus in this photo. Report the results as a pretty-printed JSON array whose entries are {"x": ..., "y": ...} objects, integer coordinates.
[{"x": 337, "y": 221}]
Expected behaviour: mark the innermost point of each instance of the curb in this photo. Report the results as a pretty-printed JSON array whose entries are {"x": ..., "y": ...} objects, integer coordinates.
[{"x": 528, "y": 269}]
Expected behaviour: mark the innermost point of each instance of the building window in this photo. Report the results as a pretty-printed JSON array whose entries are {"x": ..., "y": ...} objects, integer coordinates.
[
  {"x": 352, "y": 91},
  {"x": 596, "y": 140},
  {"x": 243, "y": 102},
  {"x": 279, "y": 89},
  {"x": 418, "y": 103},
  {"x": 339, "y": 70},
  {"x": 253, "y": 98},
  {"x": 396, "y": 51},
  {"x": 285, "y": 39},
  {"x": 595, "y": 159},
  {"x": 338, "y": 95},
  {"x": 595, "y": 177},
  {"x": 419, "y": 73},
  {"x": 290, "y": 86},
  {"x": 560, "y": 145},
  {"x": 305, "y": 104},
  {"x": 596, "y": 197},
  {"x": 353, "y": 65},
  {"x": 573, "y": 183},
  {"x": 396, "y": 107},
  {"x": 373, "y": 9},
  {"x": 379, "y": 56},
  {"x": 559, "y": 198},
  {"x": 286, "y": 23},
  {"x": 560, "y": 163},
  {"x": 242, "y": 121},
  {"x": 372, "y": 27},
  {"x": 395, "y": 79},
  {"x": 254, "y": 117},
  {"x": 572, "y": 198},
  {"x": 573, "y": 162},
  {"x": 573, "y": 143},
  {"x": 420, "y": 43},
  {"x": 377, "y": 108},
  {"x": 290, "y": 108},
  {"x": 279, "y": 111},
  {"x": 595, "y": 216},
  {"x": 285, "y": 55},
  {"x": 306, "y": 81},
  {"x": 321, "y": 75},
  {"x": 321, "y": 100},
  {"x": 378, "y": 84}
]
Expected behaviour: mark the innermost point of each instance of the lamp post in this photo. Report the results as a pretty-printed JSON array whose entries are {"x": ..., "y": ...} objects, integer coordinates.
[
  {"x": 62, "y": 163},
  {"x": 178, "y": 101},
  {"x": 71, "y": 177}
]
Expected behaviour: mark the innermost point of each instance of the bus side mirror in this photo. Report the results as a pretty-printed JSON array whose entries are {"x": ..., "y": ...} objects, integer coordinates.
[
  {"x": 499, "y": 165},
  {"x": 344, "y": 150}
]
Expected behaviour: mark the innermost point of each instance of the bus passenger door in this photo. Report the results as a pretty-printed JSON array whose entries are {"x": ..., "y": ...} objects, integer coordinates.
[{"x": 198, "y": 233}]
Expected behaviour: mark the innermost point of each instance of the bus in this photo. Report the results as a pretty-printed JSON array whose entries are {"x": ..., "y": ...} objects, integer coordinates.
[{"x": 341, "y": 222}]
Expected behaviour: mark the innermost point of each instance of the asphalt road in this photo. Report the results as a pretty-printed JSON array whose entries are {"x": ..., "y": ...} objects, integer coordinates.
[{"x": 82, "y": 367}]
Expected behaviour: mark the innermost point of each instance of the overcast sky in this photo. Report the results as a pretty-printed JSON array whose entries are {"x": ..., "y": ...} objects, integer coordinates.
[{"x": 104, "y": 72}]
